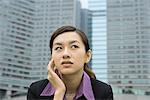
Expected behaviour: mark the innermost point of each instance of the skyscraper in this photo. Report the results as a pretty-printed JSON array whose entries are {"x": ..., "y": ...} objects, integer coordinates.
[
  {"x": 128, "y": 44},
  {"x": 26, "y": 27},
  {"x": 51, "y": 14},
  {"x": 16, "y": 30},
  {"x": 97, "y": 29}
]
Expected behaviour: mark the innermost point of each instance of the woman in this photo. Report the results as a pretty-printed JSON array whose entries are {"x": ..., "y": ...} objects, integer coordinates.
[{"x": 69, "y": 76}]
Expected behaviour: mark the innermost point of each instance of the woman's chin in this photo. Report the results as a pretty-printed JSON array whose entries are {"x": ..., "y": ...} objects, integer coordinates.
[{"x": 67, "y": 71}]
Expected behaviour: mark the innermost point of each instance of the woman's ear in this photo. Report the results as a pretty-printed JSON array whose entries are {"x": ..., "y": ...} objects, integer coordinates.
[{"x": 88, "y": 55}]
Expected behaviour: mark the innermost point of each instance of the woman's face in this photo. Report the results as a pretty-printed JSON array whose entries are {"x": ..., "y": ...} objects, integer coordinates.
[{"x": 69, "y": 53}]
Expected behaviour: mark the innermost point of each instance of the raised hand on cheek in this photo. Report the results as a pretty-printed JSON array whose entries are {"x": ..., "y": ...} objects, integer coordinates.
[{"x": 56, "y": 81}]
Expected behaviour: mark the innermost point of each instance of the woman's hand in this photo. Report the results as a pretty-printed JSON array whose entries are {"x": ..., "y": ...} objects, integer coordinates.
[{"x": 56, "y": 81}]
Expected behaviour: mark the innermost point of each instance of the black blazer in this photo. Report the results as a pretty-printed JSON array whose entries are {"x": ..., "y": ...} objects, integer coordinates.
[{"x": 101, "y": 91}]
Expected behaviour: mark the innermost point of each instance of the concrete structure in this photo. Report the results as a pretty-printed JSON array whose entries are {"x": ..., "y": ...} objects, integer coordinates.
[
  {"x": 130, "y": 97},
  {"x": 128, "y": 45},
  {"x": 25, "y": 29},
  {"x": 16, "y": 31},
  {"x": 50, "y": 14}
]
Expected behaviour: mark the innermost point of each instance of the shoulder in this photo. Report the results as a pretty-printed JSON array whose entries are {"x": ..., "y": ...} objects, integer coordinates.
[
  {"x": 37, "y": 87},
  {"x": 101, "y": 89},
  {"x": 99, "y": 84},
  {"x": 40, "y": 83}
]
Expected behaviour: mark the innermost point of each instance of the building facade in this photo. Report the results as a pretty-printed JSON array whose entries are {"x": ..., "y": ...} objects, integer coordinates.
[
  {"x": 16, "y": 30},
  {"x": 128, "y": 46},
  {"x": 25, "y": 30},
  {"x": 97, "y": 30},
  {"x": 50, "y": 14}
]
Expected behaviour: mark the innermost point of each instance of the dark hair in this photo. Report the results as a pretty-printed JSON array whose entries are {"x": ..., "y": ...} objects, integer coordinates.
[{"x": 84, "y": 39}]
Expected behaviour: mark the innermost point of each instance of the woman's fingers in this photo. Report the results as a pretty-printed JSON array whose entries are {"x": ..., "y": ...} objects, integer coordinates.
[
  {"x": 51, "y": 65},
  {"x": 54, "y": 78},
  {"x": 53, "y": 73}
]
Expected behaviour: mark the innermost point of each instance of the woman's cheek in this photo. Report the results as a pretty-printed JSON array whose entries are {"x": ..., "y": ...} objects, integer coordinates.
[{"x": 57, "y": 60}]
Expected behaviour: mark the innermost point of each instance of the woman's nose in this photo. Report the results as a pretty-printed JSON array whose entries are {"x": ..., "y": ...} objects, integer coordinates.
[{"x": 66, "y": 53}]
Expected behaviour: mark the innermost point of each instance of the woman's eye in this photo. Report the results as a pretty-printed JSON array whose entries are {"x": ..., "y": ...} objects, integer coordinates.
[
  {"x": 58, "y": 48},
  {"x": 74, "y": 46}
]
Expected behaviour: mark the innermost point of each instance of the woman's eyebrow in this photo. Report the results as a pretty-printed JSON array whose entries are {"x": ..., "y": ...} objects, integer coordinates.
[
  {"x": 71, "y": 42},
  {"x": 74, "y": 41},
  {"x": 57, "y": 43}
]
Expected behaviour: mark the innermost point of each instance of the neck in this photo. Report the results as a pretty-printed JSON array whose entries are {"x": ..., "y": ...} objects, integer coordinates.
[{"x": 72, "y": 82}]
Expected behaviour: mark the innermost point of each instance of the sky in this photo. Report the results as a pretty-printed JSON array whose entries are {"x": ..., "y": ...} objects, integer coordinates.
[{"x": 84, "y": 3}]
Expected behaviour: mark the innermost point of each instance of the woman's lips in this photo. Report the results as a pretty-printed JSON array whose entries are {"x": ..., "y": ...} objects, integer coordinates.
[{"x": 66, "y": 63}]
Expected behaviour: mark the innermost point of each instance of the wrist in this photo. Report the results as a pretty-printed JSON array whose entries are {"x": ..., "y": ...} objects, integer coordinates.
[{"x": 59, "y": 95}]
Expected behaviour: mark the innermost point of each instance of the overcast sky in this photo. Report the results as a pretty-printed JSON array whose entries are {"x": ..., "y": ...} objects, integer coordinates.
[{"x": 84, "y": 3}]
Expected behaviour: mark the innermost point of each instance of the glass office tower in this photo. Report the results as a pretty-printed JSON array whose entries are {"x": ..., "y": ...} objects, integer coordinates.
[
  {"x": 50, "y": 14},
  {"x": 25, "y": 30},
  {"x": 128, "y": 44},
  {"x": 16, "y": 31},
  {"x": 97, "y": 29}
]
